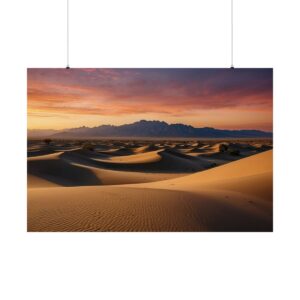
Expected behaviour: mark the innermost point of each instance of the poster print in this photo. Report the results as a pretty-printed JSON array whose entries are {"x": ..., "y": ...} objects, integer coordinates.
[{"x": 150, "y": 150}]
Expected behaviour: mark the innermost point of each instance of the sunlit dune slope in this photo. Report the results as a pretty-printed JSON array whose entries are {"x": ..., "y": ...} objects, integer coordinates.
[
  {"x": 254, "y": 165},
  {"x": 146, "y": 148}
]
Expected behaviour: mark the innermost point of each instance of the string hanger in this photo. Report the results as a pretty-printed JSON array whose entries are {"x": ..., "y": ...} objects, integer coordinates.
[
  {"x": 231, "y": 15},
  {"x": 68, "y": 35}
]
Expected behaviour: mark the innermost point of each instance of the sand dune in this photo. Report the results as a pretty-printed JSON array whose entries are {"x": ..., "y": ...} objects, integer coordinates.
[
  {"x": 238, "y": 176},
  {"x": 119, "y": 151},
  {"x": 165, "y": 161},
  {"x": 233, "y": 197},
  {"x": 146, "y": 148},
  {"x": 54, "y": 170}
]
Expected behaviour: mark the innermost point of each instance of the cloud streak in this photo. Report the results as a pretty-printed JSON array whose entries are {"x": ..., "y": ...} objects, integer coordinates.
[{"x": 118, "y": 92}]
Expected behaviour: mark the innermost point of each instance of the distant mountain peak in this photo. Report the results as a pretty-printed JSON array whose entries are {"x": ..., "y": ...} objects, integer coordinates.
[
  {"x": 151, "y": 122},
  {"x": 157, "y": 129}
]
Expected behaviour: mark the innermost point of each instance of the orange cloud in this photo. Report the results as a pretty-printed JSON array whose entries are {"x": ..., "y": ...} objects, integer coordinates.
[{"x": 168, "y": 92}]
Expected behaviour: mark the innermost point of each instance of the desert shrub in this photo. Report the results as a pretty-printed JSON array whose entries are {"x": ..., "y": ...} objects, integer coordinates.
[
  {"x": 265, "y": 147},
  {"x": 212, "y": 165},
  {"x": 47, "y": 141},
  {"x": 235, "y": 152},
  {"x": 88, "y": 146},
  {"x": 223, "y": 148}
]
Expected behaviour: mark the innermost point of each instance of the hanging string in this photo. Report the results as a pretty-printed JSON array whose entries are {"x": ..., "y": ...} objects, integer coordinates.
[
  {"x": 68, "y": 37},
  {"x": 232, "y": 34}
]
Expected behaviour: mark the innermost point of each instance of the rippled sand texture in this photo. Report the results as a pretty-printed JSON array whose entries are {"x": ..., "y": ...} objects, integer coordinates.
[{"x": 150, "y": 186}]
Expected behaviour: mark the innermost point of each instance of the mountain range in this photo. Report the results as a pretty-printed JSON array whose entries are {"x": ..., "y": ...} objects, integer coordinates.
[{"x": 151, "y": 129}]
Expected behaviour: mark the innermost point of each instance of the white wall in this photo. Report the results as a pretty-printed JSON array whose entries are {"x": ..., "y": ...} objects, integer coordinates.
[{"x": 156, "y": 33}]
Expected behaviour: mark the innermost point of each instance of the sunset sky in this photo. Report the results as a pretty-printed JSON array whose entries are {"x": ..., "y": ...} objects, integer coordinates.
[{"x": 219, "y": 98}]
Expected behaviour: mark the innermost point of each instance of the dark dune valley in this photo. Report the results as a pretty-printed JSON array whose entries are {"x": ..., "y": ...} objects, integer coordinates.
[{"x": 150, "y": 185}]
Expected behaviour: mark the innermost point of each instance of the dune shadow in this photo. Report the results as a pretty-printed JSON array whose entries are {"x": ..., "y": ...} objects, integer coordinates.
[{"x": 62, "y": 173}]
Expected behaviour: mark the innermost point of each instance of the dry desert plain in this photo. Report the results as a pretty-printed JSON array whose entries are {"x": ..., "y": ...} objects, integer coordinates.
[{"x": 150, "y": 185}]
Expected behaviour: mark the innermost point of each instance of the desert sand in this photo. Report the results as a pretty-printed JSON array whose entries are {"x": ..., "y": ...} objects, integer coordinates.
[{"x": 150, "y": 186}]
